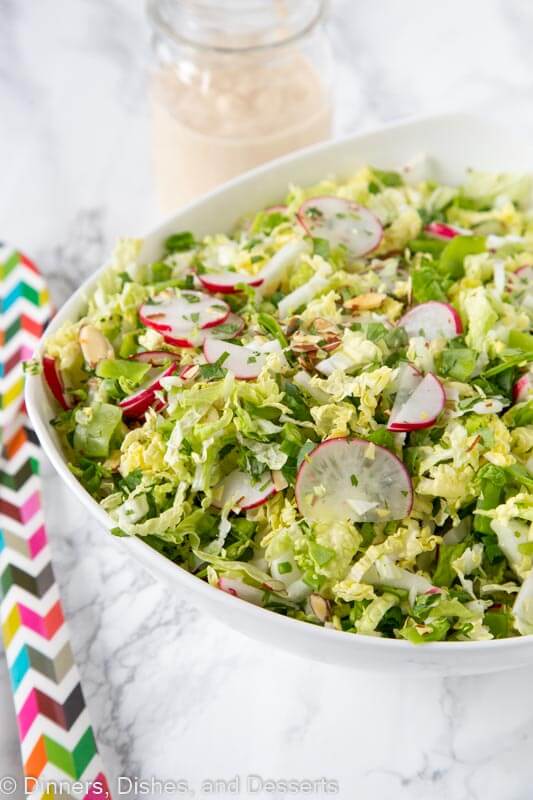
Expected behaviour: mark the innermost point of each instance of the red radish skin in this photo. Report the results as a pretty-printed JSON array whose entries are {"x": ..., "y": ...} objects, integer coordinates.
[
  {"x": 55, "y": 382},
  {"x": 159, "y": 404},
  {"x": 440, "y": 230},
  {"x": 341, "y": 222},
  {"x": 239, "y": 488},
  {"x": 227, "y": 282},
  {"x": 405, "y": 383},
  {"x": 422, "y": 408},
  {"x": 244, "y": 362},
  {"x": 157, "y": 358},
  {"x": 233, "y": 320},
  {"x": 241, "y": 590},
  {"x": 137, "y": 404},
  {"x": 521, "y": 388},
  {"x": 176, "y": 314},
  {"x": 525, "y": 272},
  {"x": 435, "y": 319},
  {"x": 187, "y": 373},
  {"x": 353, "y": 471},
  {"x": 521, "y": 280},
  {"x": 178, "y": 340}
]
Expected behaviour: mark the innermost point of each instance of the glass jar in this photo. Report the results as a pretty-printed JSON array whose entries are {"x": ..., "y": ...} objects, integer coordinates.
[{"x": 235, "y": 83}]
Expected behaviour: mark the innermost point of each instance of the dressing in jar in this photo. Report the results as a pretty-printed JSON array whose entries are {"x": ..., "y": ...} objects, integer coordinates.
[{"x": 236, "y": 83}]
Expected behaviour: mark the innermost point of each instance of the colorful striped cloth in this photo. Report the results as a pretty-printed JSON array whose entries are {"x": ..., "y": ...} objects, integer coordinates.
[{"x": 56, "y": 737}]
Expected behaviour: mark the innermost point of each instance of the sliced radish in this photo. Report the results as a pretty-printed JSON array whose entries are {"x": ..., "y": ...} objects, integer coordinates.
[
  {"x": 55, "y": 382},
  {"x": 189, "y": 372},
  {"x": 441, "y": 230},
  {"x": 232, "y": 326},
  {"x": 184, "y": 313},
  {"x": 421, "y": 408},
  {"x": 138, "y": 403},
  {"x": 404, "y": 385},
  {"x": 238, "y": 489},
  {"x": 432, "y": 320},
  {"x": 242, "y": 590},
  {"x": 274, "y": 270},
  {"x": 342, "y": 223},
  {"x": 244, "y": 362},
  {"x": 176, "y": 338},
  {"x": 522, "y": 387},
  {"x": 352, "y": 479},
  {"x": 229, "y": 329},
  {"x": 227, "y": 282},
  {"x": 157, "y": 358},
  {"x": 159, "y": 405},
  {"x": 525, "y": 273}
]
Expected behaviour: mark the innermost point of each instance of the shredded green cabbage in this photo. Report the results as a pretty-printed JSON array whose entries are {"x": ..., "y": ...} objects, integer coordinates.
[{"x": 325, "y": 327}]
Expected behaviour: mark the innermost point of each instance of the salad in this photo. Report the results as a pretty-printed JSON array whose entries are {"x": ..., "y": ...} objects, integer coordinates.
[{"x": 327, "y": 412}]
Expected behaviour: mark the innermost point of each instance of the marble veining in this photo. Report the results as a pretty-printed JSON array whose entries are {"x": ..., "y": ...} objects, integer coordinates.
[{"x": 172, "y": 693}]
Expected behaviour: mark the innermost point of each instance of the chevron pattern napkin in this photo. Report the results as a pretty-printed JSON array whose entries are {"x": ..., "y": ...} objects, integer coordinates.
[{"x": 56, "y": 737}]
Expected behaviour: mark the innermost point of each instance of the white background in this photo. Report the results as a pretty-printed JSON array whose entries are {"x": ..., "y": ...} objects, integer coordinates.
[{"x": 173, "y": 694}]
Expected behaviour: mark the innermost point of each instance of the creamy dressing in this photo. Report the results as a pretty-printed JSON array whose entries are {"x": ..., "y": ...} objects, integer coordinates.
[{"x": 210, "y": 125}]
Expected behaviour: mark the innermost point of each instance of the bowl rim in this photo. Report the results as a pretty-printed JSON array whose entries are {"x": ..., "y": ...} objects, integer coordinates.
[{"x": 143, "y": 552}]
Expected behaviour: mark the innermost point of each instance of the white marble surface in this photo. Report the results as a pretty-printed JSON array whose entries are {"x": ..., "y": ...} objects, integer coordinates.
[{"x": 172, "y": 693}]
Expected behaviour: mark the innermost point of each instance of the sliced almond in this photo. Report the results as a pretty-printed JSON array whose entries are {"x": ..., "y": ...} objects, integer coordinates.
[
  {"x": 304, "y": 342},
  {"x": 365, "y": 302},
  {"x": 319, "y": 606},
  {"x": 332, "y": 341},
  {"x": 292, "y": 325},
  {"x": 94, "y": 345},
  {"x": 325, "y": 326},
  {"x": 308, "y": 361}
]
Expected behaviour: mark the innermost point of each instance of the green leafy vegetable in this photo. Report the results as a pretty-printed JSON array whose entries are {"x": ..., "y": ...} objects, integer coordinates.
[
  {"x": 95, "y": 427},
  {"x": 180, "y": 242},
  {"x": 445, "y": 574},
  {"x": 452, "y": 258},
  {"x": 133, "y": 371}
]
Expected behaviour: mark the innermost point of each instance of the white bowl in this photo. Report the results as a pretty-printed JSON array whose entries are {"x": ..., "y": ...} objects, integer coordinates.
[{"x": 454, "y": 142}]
